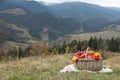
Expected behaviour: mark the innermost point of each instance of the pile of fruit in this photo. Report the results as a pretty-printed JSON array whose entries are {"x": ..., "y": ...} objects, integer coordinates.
[{"x": 86, "y": 54}]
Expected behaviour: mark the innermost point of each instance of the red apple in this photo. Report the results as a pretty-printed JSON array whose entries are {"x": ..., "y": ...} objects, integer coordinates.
[
  {"x": 97, "y": 57},
  {"x": 90, "y": 56},
  {"x": 82, "y": 56}
]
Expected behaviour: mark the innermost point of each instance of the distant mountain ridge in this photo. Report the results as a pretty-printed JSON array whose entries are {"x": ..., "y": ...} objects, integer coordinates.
[
  {"x": 30, "y": 6},
  {"x": 49, "y": 22},
  {"x": 78, "y": 10},
  {"x": 82, "y": 10},
  {"x": 114, "y": 8}
]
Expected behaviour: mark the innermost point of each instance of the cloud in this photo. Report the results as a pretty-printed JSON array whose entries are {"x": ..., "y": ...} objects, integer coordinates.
[
  {"x": 115, "y": 3},
  {"x": 57, "y": 1}
]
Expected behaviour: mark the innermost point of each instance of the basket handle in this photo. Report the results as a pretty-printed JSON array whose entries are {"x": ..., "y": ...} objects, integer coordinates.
[{"x": 87, "y": 51}]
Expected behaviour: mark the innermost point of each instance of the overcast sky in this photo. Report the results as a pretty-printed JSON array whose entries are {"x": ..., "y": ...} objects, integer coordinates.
[{"x": 106, "y": 3}]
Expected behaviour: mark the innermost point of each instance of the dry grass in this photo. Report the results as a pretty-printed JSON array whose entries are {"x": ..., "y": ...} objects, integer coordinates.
[
  {"x": 114, "y": 62},
  {"x": 112, "y": 59},
  {"x": 17, "y": 11},
  {"x": 48, "y": 67},
  {"x": 107, "y": 34},
  {"x": 110, "y": 54}
]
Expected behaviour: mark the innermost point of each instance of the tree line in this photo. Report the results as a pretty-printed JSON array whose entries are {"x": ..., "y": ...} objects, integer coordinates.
[
  {"x": 35, "y": 49},
  {"x": 40, "y": 48},
  {"x": 96, "y": 44}
]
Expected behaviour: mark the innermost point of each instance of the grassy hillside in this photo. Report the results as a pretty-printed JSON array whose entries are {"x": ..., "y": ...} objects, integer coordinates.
[
  {"x": 37, "y": 22},
  {"x": 103, "y": 34},
  {"x": 12, "y": 32},
  {"x": 16, "y": 11},
  {"x": 47, "y": 68},
  {"x": 107, "y": 34}
]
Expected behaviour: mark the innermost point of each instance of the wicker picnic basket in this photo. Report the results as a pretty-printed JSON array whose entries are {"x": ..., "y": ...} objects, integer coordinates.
[{"x": 89, "y": 64}]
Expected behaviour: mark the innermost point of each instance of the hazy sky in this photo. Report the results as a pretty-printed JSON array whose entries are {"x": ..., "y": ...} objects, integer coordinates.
[{"x": 110, "y": 3}]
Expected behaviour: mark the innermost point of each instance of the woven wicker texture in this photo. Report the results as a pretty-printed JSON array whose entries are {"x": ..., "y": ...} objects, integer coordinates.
[{"x": 89, "y": 64}]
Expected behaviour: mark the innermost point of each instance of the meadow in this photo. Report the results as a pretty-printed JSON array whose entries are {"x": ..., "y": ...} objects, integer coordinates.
[{"x": 48, "y": 67}]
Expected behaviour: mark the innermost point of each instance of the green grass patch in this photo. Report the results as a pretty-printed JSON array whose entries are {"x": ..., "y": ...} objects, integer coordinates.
[{"x": 48, "y": 69}]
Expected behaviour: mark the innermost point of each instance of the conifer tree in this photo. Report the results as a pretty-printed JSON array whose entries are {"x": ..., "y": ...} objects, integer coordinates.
[
  {"x": 84, "y": 45},
  {"x": 79, "y": 45},
  {"x": 100, "y": 43},
  {"x": 95, "y": 43},
  {"x": 90, "y": 42}
]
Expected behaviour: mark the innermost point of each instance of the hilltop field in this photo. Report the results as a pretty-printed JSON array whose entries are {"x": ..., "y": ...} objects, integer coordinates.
[{"x": 48, "y": 67}]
